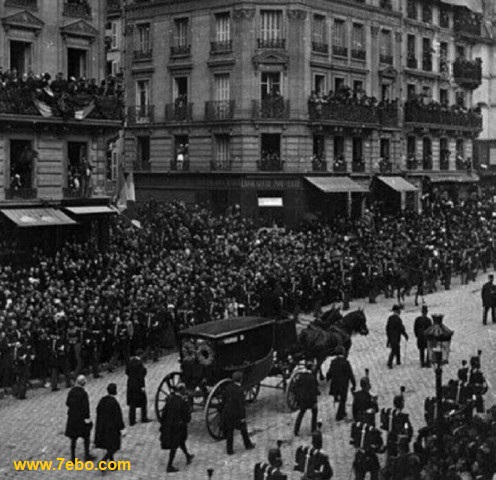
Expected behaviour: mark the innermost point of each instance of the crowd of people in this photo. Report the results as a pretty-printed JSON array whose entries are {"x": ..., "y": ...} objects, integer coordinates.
[{"x": 35, "y": 94}]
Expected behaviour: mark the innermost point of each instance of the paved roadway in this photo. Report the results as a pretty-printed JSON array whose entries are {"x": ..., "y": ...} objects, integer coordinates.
[{"x": 34, "y": 428}]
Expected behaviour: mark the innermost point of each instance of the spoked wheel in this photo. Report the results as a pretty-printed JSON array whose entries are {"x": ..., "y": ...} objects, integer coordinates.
[
  {"x": 291, "y": 390},
  {"x": 213, "y": 409},
  {"x": 251, "y": 393},
  {"x": 169, "y": 382}
]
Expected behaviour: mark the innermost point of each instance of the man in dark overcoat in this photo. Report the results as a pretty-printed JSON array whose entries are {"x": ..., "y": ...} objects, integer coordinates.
[
  {"x": 78, "y": 418},
  {"x": 136, "y": 394},
  {"x": 109, "y": 423},
  {"x": 394, "y": 330},
  {"x": 233, "y": 415},
  {"x": 489, "y": 299},
  {"x": 174, "y": 426},
  {"x": 421, "y": 324},
  {"x": 341, "y": 375},
  {"x": 306, "y": 391}
]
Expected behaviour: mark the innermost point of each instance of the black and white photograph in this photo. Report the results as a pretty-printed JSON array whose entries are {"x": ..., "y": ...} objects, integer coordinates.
[{"x": 248, "y": 240}]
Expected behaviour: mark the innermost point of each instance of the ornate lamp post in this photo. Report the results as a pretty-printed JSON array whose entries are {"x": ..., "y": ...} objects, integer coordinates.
[{"x": 438, "y": 338}]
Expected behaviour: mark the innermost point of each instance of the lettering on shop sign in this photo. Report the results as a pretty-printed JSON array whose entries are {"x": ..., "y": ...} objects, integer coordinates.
[{"x": 268, "y": 183}]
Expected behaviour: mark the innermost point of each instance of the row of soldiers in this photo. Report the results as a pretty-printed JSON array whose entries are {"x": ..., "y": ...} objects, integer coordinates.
[{"x": 69, "y": 347}]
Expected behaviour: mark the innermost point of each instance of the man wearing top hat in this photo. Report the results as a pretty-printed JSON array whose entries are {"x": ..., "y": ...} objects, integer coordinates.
[{"x": 394, "y": 330}]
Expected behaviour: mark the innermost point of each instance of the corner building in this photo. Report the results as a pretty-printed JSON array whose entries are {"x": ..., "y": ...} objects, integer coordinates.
[{"x": 236, "y": 103}]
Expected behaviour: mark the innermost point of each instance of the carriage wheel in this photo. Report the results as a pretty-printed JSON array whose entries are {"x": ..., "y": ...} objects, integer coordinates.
[
  {"x": 291, "y": 390},
  {"x": 251, "y": 393},
  {"x": 169, "y": 382},
  {"x": 213, "y": 409}
]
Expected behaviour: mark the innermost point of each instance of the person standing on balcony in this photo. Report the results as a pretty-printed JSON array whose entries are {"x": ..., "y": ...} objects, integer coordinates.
[{"x": 180, "y": 157}]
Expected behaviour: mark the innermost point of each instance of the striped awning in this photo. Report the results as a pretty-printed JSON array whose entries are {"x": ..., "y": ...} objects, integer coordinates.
[
  {"x": 336, "y": 184},
  {"x": 398, "y": 184},
  {"x": 91, "y": 210},
  {"x": 37, "y": 217}
]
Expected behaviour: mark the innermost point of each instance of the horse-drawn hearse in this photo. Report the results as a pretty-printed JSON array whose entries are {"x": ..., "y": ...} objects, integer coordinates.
[{"x": 259, "y": 348}]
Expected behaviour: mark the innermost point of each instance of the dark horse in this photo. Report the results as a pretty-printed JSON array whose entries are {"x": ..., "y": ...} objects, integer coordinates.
[{"x": 321, "y": 337}]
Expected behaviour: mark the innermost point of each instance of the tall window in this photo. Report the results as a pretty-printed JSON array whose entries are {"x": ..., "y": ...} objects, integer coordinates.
[
  {"x": 443, "y": 96},
  {"x": 460, "y": 149},
  {"x": 411, "y": 91},
  {"x": 222, "y": 149},
  {"x": 411, "y": 48},
  {"x": 143, "y": 153},
  {"x": 411, "y": 147},
  {"x": 181, "y": 26},
  {"x": 338, "y": 147},
  {"x": 222, "y": 27},
  {"x": 427, "y": 153},
  {"x": 386, "y": 46},
  {"x": 271, "y": 24},
  {"x": 443, "y": 58},
  {"x": 318, "y": 29},
  {"x": 142, "y": 93},
  {"x": 143, "y": 39},
  {"x": 357, "y": 39},
  {"x": 319, "y": 83},
  {"x": 384, "y": 148},
  {"x": 460, "y": 98},
  {"x": 270, "y": 83},
  {"x": 339, "y": 36},
  {"x": 426, "y": 55},
  {"x": 357, "y": 149},
  {"x": 222, "y": 87},
  {"x": 114, "y": 35}
]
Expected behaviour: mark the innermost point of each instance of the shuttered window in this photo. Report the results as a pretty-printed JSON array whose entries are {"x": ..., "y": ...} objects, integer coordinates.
[{"x": 271, "y": 24}]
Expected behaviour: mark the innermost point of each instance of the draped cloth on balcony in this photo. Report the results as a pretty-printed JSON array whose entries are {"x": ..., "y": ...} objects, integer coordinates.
[
  {"x": 474, "y": 5},
  {"x": 37, "y": 217},
  {"x": 336, "y": 184},
  {"x": 398, "y": 184}
]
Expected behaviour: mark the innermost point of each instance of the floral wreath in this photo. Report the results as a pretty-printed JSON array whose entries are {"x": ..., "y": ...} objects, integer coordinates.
[{"x": 205, "y": 354}]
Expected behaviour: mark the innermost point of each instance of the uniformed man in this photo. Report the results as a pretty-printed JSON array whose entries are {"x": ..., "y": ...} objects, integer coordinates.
[
  {"x": 394, "y": 331},
  {"x": 59, "y": 360},
  {"x": 421, "y": 324},
  {"x": 488, "y": 295},
  {"x": 364, "y": 403},
  {"x": 23, "y": 355}
]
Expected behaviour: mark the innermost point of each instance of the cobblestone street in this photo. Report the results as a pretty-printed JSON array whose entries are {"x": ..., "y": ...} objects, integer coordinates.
[{"x": 34, "y": 429}]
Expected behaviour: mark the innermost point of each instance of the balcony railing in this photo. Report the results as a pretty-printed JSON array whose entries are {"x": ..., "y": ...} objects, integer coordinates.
[
  {"x": 221, "y": 165},
  {"x": 178, "y": 50},
  {"x": 411, "y": 61},
  {"x": 71, "y": 192},
  {"x": 24, "y": 193},
  {"x": 467, "y": 22},
  {"x": 444, "y": 160},
  {"x": 358, "y": 54},
  {"x": 80, "y": 9},
  {"x": 386, "y": 4},
  {"x": 440, "y": 115},
  {"x": 339, "y": 51},
  {"x": 319, "y": 163},
  {"x": 224, "y": 46},
  {"x": 339, "y": 165},
  {"x": 358, "y": 165},
  {"x": 343, "y": 112},
  {"x": 272, "y": 163},
  {"x": 468, "y": 73},
  {"x": 179, "y": 111},
  {"x": 143, "y": 54},
  {"x": 273, "y": 107},
  {"x": 219, "y": 110},
  {"x": 389, "y": 114},
  {"x": 387, "y": 59},
  {"x": 427, "y": 161},
  {"x": 271, "y": 43},
  {"x": 411, "y": 162},
  {"x": 320, "y": 47},
  {"x": 141, "y": 114},
  {"x": 180, "y": 166},
  {"x": 27, "y": 4}
]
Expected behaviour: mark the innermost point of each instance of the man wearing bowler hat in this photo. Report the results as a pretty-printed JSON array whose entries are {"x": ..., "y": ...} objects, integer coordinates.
[{"x": 394, "y": 330}]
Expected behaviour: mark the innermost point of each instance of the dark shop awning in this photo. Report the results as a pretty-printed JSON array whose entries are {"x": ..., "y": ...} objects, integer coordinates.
[
  {"x": 91, "y": 210},
  {"x": 454, "y": 177},
  {"x": 37, "y": 217},
  {"x": 336, "y": 184},
  {"x": 398, "y": 183}
]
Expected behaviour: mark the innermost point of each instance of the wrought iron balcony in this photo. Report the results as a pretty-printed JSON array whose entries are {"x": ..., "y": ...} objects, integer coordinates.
[
  {"x": 438, "y": 114},
  {"x": 27, "y": 4},
  {"x": 80, "y": 9},
  {"x": 178, "y": 50},
  {"x": 23, "y": 193},
  {"x": 339, "y": 51},
  {"x": 143, "y": 114},
  {"x": 467, "y": 22},
  {"x": 224, "y": 46},
  {"x": 427, "y": 161},
  {"x": 388, "y": 59},
  {"x": 271, "y": 43},
  {"x": 224, "y": 165},
  {"x": 319, "y": 163},
  {"x": 179, "y": 111},
  {"x": 143, "y": 54},
  {"x": 219, "y": 110},
  {"x": 343, "y": 112},
  {"x": 358, "y": 54},
  {"x": 272, "y": 107},
  {"x": 320, "y": 47},
  {"x": 389, "y": 114},
  {"x": 339, "y": 165},
  {"x": 411, "y": 162},
  {"x": 411, "y": 61},
  {"x": 467, "y": 73},
  {"x": 358, "y": 165},
  {"x": 271, "y": 163}
]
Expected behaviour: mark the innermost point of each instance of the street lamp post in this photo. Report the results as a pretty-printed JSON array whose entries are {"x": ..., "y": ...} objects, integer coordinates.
[{"x": 438, "y": 338}]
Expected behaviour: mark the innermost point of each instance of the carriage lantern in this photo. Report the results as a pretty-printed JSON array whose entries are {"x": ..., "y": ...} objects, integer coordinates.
[{"x": 438, "y": 338}]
